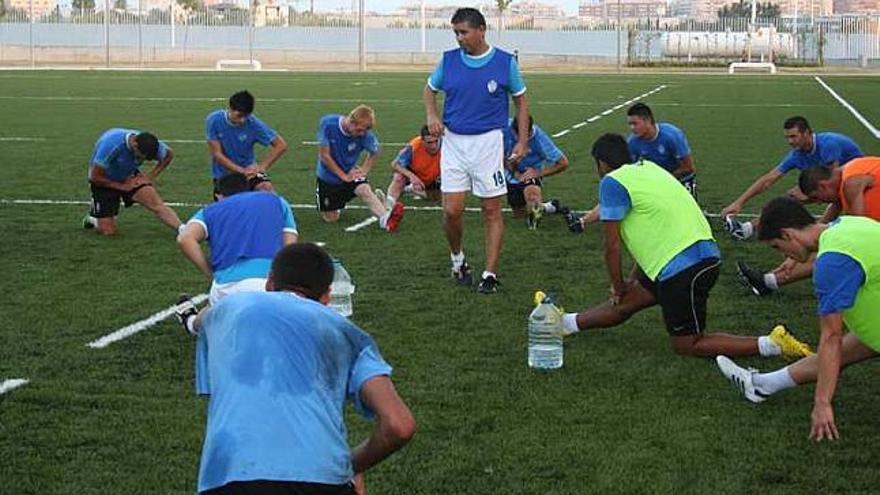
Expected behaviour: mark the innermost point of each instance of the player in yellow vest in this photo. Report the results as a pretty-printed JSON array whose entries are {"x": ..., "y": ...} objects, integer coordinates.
[
  {"x": 677, "y": 259},
  {"x": 846, "y": 277}
]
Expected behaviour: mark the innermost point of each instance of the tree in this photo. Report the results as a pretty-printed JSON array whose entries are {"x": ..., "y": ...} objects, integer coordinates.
[
  {"x": 190, "y": 5},
  {"x": 502, "y": 6},
  {"x": 744, "y": 9},
  {"x": 2, "y": 8},
  {"x": 83, "y": 5},
  {"x": 119, "y": 5}
]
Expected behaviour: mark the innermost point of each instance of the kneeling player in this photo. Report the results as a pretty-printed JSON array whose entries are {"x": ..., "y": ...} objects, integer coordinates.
[
  {"x": 524, "y": 173},
  {"x": 341, "y": 139},
  {"x": 114, "y": 177},
  {"x": 416, "y": 169}
]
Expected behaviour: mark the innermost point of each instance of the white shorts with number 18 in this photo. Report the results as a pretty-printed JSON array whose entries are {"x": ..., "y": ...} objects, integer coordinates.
[{"x": 473, "y": 163}]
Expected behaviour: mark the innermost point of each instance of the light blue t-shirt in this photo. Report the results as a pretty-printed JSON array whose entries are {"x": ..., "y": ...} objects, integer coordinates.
[
  {"x": 828, "y": 147},
  {"x": 244, "y": 232},
  {"x": 542, "y": 151},
  {"x": 344, "y": 148},
  {"x": 477, "y": 89},
  {"x": 615, "y": 203},
  {"x": 237, "y": 142},
  {"x": 281, "y": 369},
  {"x": 113, "y": 154},
  {"x": 668, "y": 148}
]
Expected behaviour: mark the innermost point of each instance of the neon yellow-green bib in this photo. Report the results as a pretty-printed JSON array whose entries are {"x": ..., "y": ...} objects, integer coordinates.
[
  {"x": 859, "y": 238},
  {"x": 664, "y": 219}
]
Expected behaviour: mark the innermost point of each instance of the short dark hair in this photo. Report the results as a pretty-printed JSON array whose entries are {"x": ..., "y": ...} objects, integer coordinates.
[
  {"x": 470, "y": 15},
  {"x": 148, "y": 145},
  {"x": 425, "y": 132},
  {"x": 231, "y": 184},
  {"x": 304, "y": 268},
  {"x": 797, "y": 121},
  {"x": 514, "y": 125},
  {"x": 810, "y": 177},
  {"x": 611, "y": 149},
  {"x": 243, "y": 102},
  {"x": 641, "y": 110},
  {"x": 782, "y": 213}
]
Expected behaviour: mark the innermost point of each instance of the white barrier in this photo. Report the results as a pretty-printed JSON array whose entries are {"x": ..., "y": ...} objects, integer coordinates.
[
  {"x": 252, "y": 64},
  {"x": 751, "y": 65}
]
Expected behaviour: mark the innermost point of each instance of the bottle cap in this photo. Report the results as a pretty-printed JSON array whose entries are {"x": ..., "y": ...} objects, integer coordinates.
[{"x": 539, "y": 297}]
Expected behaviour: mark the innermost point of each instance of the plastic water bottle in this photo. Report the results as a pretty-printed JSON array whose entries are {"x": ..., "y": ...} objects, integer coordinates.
[
  {"x": 545, "y": 338},
  {"x": 341, "y": 289}
]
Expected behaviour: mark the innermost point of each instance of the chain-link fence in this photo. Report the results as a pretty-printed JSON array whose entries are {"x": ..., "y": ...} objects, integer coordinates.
[{"x": 283, "y": 37}]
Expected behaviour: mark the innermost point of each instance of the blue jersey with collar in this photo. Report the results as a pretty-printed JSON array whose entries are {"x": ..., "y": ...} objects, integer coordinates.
[
  {"x": 244, "y": 232},
  {"x": 542, "y": 151},
  {"x": 281, "y": 369},
  {"x": 237, "y": 142},
  {"x": 828, "y": 147},
  {"x": 344, "y": 148},
  {"x": 113, "y": 154},
  {"x": 615, "y": 203},
  {"x": 477, "y": 89},
  {"x": 668, "y": 148}
]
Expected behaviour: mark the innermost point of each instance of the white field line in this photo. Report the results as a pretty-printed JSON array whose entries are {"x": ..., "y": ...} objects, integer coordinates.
[
  {"x": 362, "y": 224},
  {"x": 139, "y": 326},
  {"x": 20, "y": 139},
  {"x": 11, "y": 384},
  {"x": 873, "y": 130},
  {"x": 471, "y": 209},
  {"x": 315, "y": 143},
  {"x": 608, "y": 111}
]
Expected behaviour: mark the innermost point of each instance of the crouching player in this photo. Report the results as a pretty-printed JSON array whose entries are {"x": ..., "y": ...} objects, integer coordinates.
[{"x": 416, "y": 169}]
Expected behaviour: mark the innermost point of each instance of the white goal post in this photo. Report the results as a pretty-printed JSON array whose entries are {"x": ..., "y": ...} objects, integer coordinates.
[{"x": 238, "y": 64}]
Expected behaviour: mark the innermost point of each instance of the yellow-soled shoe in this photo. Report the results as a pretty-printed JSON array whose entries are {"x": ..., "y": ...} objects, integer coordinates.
[{"x": 792, "y": 348}]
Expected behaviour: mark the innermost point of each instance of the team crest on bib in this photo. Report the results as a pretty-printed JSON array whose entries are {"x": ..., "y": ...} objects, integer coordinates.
[
  {"x": 351, "y": 147},
  {"x": 492, "y": 86},
  {"x": 242, "y": 137},
  {"x": 661, "y": 149}
]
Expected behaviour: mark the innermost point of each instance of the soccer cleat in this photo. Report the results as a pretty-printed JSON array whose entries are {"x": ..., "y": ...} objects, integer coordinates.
[
  {"x": 534, "y": 217},
  {"x": 394, "y": 217},
  {"x": 741, "y": 378},
  {"x": 557, "y": 206},
  {"x": 184, "y": 311},
  {"x": 87, "y": 222},
  {"x": 734, "y": 228},
  {"x": 463, "y": 275},
  {"x": 792, "y": 348},
  {"x": 575, "y": 225},
  {"x": 488, "y": 285},
  {"x": 753, "y": 279}
]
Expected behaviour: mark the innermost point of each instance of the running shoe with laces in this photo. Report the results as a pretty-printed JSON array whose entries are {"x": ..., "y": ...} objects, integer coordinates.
[
  {"x": 184, "y": 311},
  {"x": 753, "y": 279},
  {"x": 488, "y": 285},
  {"x": 792, "y": 348},
  {"x": 394, "y": 217},
  {"x": 734, "y": 228},
  {"x": 463, "y": 275},
  {"x": 741, "y": 378}
]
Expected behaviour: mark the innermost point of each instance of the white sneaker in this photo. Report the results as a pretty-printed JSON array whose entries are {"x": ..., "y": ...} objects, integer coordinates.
[
  {"x": 735, "y": 228},
  {"x": 741, "y": 378}
]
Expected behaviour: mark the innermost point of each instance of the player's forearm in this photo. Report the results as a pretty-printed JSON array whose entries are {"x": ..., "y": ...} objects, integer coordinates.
[
  {"x": 331, "y": 165},
  {"x": 613, "y": 262},
  {"x": 383, "y": 441},
  {"x": 193, "y": 252},
  {"x": 831, "y": 212},
  {"x": 368, "y": 164},
  {"x": 522, "y": 114},
  {"x": 429, "y": 98},
  {"x": 279, "y": 147},
  {"x": 559, "y": 166},
  {"x": 829, "y": 359},
  {"x": 228, "y": 164},
  {"x": 755, "y": 189},
  {"x": 685, "y": 167},
  {"x": 98, "y": 178}
]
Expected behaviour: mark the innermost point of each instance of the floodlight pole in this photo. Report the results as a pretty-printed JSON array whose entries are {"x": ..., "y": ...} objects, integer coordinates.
[
  {"x": 171, "y": 9},
  {"x": 618, "y": 35},
  {"x": 107, "y": 33},
  {"x": 31, "y": 32},
  {"x": 140, "y": 33},
  {"x": 422, "y": 20},
  {"x": 362, "y": 38}
]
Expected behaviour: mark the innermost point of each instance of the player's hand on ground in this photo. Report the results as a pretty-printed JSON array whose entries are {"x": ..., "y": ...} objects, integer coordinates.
[
  {"x": 731, "y": 209},
  {"x": 435, "y": 126},
  {"x": 823, "y": 427}
]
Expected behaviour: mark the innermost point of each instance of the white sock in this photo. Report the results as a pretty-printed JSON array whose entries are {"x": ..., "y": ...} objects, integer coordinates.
[
  {"x": 770, "y": 383},
  {"x": 767, "y": 347},
  {"x": 383, "y": 220},
  {"x": 488, "y": 274},
  {"x": 770, "y": 281},
  {"x": 389, "y": 202},
  {"x": 181, "y": 228},
  {"x": 549, "y": 208},
  {"x": 569, "y": 323},
  {"x": 457, "y": 259},
  {"x": 748, "y": 229},
  {"x": 92, "y": 221}
]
